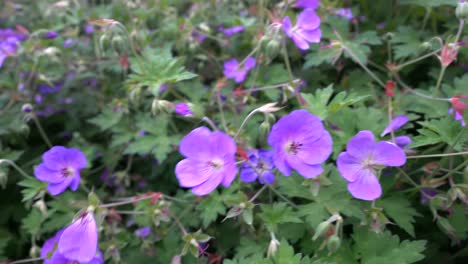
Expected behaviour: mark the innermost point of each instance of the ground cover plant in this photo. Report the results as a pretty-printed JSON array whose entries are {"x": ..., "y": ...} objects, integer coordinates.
[{"x": 217, "y": 131}]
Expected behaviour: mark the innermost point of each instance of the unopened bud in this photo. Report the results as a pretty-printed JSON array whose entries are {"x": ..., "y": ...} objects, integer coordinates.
[
  {"x": 27, "y": 108},
  {"x": 41, "y": 206},
  {"x": 272, "y": 49},
  {"x": 321, "y": 229},
  {"x": 265, "y": 128},
  {"x": 159, "y": 106},
  {"x": 104, "y": 42},
  {"x": 272, "y": 247},
  {"x": 134, "y": 96},
  {"x": 462, "y": 10},
  {"x": 119, "y": 44},
  {"x": 425, "y": 46},
  {"x": 333, "y": 243},
  {"x": 93, "y": 199},
  {"x": 34, "y": 251}
]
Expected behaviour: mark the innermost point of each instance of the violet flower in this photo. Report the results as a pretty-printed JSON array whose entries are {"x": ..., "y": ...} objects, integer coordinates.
[
  {"x": 183, "y": 109},
  {"x": 306, "y": 30},
  {"x": 305, "y": 3},
  {"x": 61, "y": 167},
  {"x": 143, "y": 232},
  {"x": 233, "y": 30},
  {"x": 233, "y": 70},
  {"x": 50, "y": 35},
  {"x": 402, "y": 141},
  {"x": 395, "y": 124},
  {"x": 9, "y": 42},
  {"x": 262, "y": 162},
  {"x": 88, "y": 29},
  {"x": 51, "y": 255},
  {"x": 68, "y": 43},
  {"x": 363, "y": 159},
  {"x": 210, "y": 161},
  {"x": 457, "y": 116},
  {"x": 78, "y": 241},
  {"x": 300, "y": 142},
  {"x": 345, "y": 13}
]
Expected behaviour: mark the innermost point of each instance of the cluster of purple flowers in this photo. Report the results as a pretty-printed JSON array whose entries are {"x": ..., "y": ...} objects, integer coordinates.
[
  {"x": 238, "y": 71},
  {"x": 307, "y": 28},
  {"x": 9, "y": 43}
]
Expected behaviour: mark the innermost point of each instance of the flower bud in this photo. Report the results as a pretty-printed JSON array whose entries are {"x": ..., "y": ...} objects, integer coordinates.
[
  {"x": 159, "y": 106},
  {"x": 272, "y": 49},
  {"x": 119, "y": 44},
  {"x": 425, "y": 46},
  {"x": 321, "y": 229},
  {"x": 3, "y": 178},
  {"x": 93, "y": 199},
  {"x": 35, "y": 251},
  {"x": 104, "y": 43},
  {"x": 41, "y": 206},
  {"x": 333, "y": 243},
  {"x": 27, "y": 108},
  {"x": 272, "y": 247},
  {"x": 134, "y": 96},
  {"x": 462, "y": 10}
]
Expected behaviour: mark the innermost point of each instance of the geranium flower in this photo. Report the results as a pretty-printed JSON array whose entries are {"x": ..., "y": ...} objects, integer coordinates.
[
  {"x": 9, "y": 42},
  {"x": 300, "y": 142},
  {"x": 262, "y": 162},
  {"x": 210, "y": 161},
  {"x": 51, "y": 255},
  {"x": 305, "y": 3},
  {"x": 362, "y": 160},
  {"x": 233, "y": 70},
  {"x": 346, "y": 13},
  {"x": 61, "y": 167},
  {"x": 457, "y": 116},
  {"x": 306, "y": 30},
  {"x": 402, "y": 141},
  {"x": 395, "y": 124},
  {"x": 143, "y": 232},
  {"x": 232, "y": 30},
  {"x": 78, "y": 241}
]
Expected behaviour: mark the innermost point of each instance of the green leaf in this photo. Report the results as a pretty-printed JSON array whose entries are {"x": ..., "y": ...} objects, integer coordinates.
[
  {"x": 323, "y": 55},
  {"x": 32, "y": 222},
  {"x": 210, "y": 208},
  {"x": 441, "y": 130},
  {"x": 383, "y": 248},
  {"x": 285, "y": 255},
  {"x": 276, "y": 214},
  {"x": 399, "y": 209},
  {"x": 106, "y": 119},
  {"x": 32, "y": 188},
  {"x": 406, "y": 43}
]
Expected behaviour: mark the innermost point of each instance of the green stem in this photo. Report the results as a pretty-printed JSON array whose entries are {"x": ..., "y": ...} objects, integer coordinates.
[
  {"x": 245, "y": 121},
  {"x": 282, "y": 196},
  {"x": 220, "y": 108},
  {"x": 258, "y": 193},
  {"x": 437, "y": 155},
  {"x": 41, "y": 131},
  {"x": 409, "y": 178},
  {"x": 439, "y": 80},
  {"x": 21, "y": 171},
  {"x": 401, "y": 66},
  {"x": 209, "y": 122},
  {"x": 126, "y": 202},
  {"x": 25, "y": 260}
]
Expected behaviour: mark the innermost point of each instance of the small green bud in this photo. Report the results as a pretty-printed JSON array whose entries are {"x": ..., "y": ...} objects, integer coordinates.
[
  {"x": 264, "y": 41},
  {"x": 104, "y": 42},
  {"x": 321, "y": 229},
  {"x": 462, "y": 10},
  {"x": 27, "y": 108},
  {"x": 333, "y": 243},
  {"x": 119, "y": 44},
  {"x": 159, "y": 106},
  {"x": 425, "y": 46},
  {"x": 272, "y": 247},
  {"x": 265, "y": 128},
  {"x": 272, "y": 49},
  {"x": 134, "y": 96},
  {"x": 93, "y": 200}
]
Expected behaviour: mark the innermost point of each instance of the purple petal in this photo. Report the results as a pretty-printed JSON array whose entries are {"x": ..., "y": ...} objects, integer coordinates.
[
  {"x": 196, "y": 144},
  {"x": 191, "y": 173},
  {"x": 75, "y": 182},
  {"x": 57, "y": 188},
  {"x": 209, "y": 185},
  {"x": 306, "y": 3},
  {"x": 361, "y": 145},
  {"x": 279, "y": 158},
  {"x": 79, "y": 240},
  {"x": 287, "y": 26},
  {"x": 312, "y": 36},
  {"x": 58, "y": 258},
  {"x": 366, "y": 187},
  {"x": 249, "y": 63},
  {"x": 308, "y": 19},
  {"x": 349, "y": 167},
  {"x": 389, "y": 154},
  {"x": 304, "y": 169},
  {"x": 395, "y": 124},
  {"x": 47, "y": 175},
  {"x": 54, "y": 158},
  {"x": 222, "y": 144},
  {"x": 300, "y": 42},
  {"x": 230, "y": 171},
  {"x": 75, "y": 158},
  {"x": 267, "y": 177},
  {"x": 247, "y": 174},
  {"x": 317, "y": 151},
  {"x": 402, "y": 141}
]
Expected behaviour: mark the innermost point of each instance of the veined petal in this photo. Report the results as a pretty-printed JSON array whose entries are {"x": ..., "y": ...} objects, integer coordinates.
[
  {"x": 79, "y": 240},
  {"x": 317, "y": 151},
  {"x": 300, "y": 42},
  {"x": 312, "y": 36},
  {"x": 189, "y": 175},
  {"x": 395, "y": 124},
  {"x": 74, "y": 158},
  {"x": 54, "y": 158},
  {"x": 267, "y": 177},
  {"x": 247, "y": 174},
  {"x": 362, "y": 145},
  {"x": 222, "y": 144},
  {"x": 308, "y": 19},
  {"x": 279, "y": 159},
  {"x": 57, "y": 188},
  {"x": 230, "y": 171},
  {"x": 366, "y": 187},
  {"x": 196, "y": 145},
  {"x": 209, "y": 185},
  {"x": 349, "y": 167},
  {"x": 389, "y": 154},
  {"x": 304, "y": 169},
  {"x": 47, "y": 175},
  {"x": 287, "y": 26}
]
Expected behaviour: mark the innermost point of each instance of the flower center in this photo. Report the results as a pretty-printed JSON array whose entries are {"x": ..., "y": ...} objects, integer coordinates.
[
  {"x": 216, "y": 164},
  {"x": 293, "y": 147},
  {"x": 68, "y": 172},
  {"x": 368, "y": 163}
]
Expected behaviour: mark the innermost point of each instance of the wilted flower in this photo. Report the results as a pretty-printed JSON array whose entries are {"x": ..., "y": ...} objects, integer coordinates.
[
  {"x": 259, "y": 165},
  {"x": 79, "y": 240},
  {"x": 300, "y": 142},
  {"x": 143, "y": 232},
  {"x": 305, "y": 3},
  {"x": 457, "y": 116},
  {"x": 306, "y": 29},
  {"x": 233, "y": 70},
  {"x": 210, "y": 161},
  {"x": 395, "y": 124},
  {"x": 61, "y": 167},
  {"x": 51, "y": 255},
  {"x": 233, "y": 30},
  {"x": 362, "y": 160},
  {"x": 448, "y": 54},
  {"x": 183, "y": 109}
]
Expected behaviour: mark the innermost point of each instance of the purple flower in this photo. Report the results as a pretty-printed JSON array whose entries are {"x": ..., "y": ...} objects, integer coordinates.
[
  {"x": 9, "y": 42},
  {"x": 50, "y": 35},
  {"x": 9, "y": 33},
  {"x": 209, "y": 161},
  {"x": 402, "y": 141},
  {"x": 262, "y": 162},
  {"x": 78, "y": 241},
  {"x": 300, "y": 142},
  {"x": 345, "y": 12},
  {"x": 68, "y": 43},
  {"x": 395, "y": 124},
  {"x": 88, "y": 29},
  {"x": 51, "y": 255},
  {"x": 362, "y": 160},
  {"x": 61, "y": 167},
  {"x": 47, "y": 89},
  {"x": 457, "y": 116},
  {"x": 233, "y": 30},
  {"x": 143, "y": 232},
  {"x": 198, "y": 37},
  {"x": 305, "y": 3},
  {"x": 306, "y": 29},
  {"x": 233, "y": 70},
  {"x": 183, "y": 109}
]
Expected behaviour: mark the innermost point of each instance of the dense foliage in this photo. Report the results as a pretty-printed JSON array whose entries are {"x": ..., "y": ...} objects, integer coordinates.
[{"x": 217, "y": 131}]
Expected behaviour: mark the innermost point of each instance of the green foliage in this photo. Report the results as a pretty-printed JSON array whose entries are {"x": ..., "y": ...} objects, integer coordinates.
[
  {"x": 399, "y": 209},
  {"x": 211, "y": 208}
]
